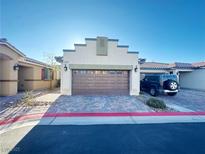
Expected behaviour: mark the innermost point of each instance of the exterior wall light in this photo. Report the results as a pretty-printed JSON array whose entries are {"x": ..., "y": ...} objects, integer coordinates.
[
  {"x": 65, "y": 68},
  {"x": 16, "y": 67},
  {"x": 136, "y": 69}
]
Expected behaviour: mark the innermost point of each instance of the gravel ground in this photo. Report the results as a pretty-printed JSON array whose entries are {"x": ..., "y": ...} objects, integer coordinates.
[
  {"x": 144, "y": 97},
  {"x": 12, "y": 106}
]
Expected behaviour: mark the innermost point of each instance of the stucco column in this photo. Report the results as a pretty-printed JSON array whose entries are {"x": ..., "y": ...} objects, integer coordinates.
[
  {"x": 176, "y": 72},
  {"x": 66, "y": 79},
  {"x": 8, "y": 77},
  {"x": 134, "y": 82}
]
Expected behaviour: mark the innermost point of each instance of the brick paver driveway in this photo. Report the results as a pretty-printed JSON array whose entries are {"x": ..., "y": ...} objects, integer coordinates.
[
  {"x": 98, "y": 104},
  {"x": 190, "y": 99}
]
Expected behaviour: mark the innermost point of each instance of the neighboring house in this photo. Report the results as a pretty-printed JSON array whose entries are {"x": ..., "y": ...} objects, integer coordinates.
[
  {"x": 19, "y": 73},
  {"x": 190, "y": 76},
  {"x": 100, "y": 66}
]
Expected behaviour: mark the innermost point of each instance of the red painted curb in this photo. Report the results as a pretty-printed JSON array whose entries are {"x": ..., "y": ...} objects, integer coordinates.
[
  {"x": 21, "y": 118},
  {"x": 99, "y": 114}
]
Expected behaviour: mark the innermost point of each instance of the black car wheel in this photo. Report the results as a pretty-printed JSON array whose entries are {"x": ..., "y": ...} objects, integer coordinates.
[
  {"x": 153, "y": 91},
  {"x": 171, "y": 85}
]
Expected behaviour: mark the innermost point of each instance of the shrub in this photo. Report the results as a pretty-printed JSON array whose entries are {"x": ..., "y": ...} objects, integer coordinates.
[
  {"x": 156, "y": 103},
  {"x": 27, "y": 98}
]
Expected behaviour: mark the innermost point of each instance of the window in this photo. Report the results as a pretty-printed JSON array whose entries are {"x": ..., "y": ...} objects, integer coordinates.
[
  {"x": 46, "y": 74},
  {"x": 154, "y": 78}
]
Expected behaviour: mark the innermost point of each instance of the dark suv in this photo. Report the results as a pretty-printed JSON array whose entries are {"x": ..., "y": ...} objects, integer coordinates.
[{"x": 160, "y": 83}]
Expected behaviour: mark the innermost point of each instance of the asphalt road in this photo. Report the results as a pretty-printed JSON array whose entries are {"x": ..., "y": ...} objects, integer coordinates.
[{"x": 146, "y": 138}]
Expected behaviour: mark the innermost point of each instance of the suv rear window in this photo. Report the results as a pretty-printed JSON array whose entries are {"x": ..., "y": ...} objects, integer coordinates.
[
  {"x": 152, "y": 78},
  {"x": 169, "y": 76}
]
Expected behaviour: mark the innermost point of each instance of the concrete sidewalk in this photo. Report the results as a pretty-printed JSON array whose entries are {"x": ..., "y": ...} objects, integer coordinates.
[{"x": 101, "y": 118}]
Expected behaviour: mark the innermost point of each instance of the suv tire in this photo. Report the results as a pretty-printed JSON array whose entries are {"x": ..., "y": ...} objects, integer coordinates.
[
  {"x": 153, "y": 91},
  {"x": 171, "y": 85}
]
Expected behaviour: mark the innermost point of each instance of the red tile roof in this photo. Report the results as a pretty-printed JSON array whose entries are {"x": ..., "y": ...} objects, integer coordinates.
[
  {"x": 155, "y": 65},
  {"x": 199, "y": 64},
  {"x": 177, "y": 65}
]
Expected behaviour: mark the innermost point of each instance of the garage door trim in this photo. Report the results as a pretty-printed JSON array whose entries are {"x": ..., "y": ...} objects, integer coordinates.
[{"x": 100, "y": 67}]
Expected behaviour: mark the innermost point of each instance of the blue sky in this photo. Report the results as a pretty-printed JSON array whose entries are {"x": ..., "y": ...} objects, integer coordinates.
[{"x": 161, "y": 30}]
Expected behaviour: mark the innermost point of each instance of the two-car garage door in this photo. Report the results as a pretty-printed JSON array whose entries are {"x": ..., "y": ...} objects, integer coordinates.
[{"x": 100, "y": 82}]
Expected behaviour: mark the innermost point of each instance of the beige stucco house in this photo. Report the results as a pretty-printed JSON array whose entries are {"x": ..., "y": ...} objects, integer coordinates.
[
  {"x": 190, "y": 75},
  {"x": 19, "y": 73},
  {"x": 100, "y": 66}
]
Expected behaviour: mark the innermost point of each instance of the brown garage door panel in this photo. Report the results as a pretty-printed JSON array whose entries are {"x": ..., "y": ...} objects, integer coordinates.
[{"x": 96, "y": 82}]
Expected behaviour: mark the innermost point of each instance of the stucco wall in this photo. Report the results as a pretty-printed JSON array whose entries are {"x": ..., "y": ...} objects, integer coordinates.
[
  {"x": 193, "y": 80},
  {"x": 33, "y": 81},
  {"x": 28, "y": 77},
  {"x": 23, "y": 74},
  {"x": 87, "y": 55},
  {"x": 7, "y": 72},
  {"x": 8, "y": 76},
  {"x": 7, "y": 51},
  {"x": 8, "y": 88},
  {"x": 41, "y": 84}
]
